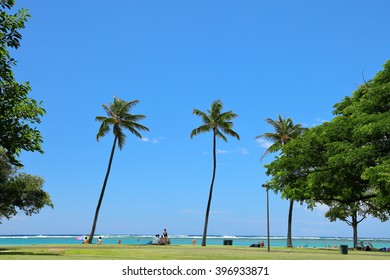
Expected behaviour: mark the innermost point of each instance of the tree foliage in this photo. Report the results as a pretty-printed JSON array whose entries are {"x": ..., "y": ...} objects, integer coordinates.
[
  {"x": 18, "y": 112},
  {"x": 20, "y": 191},
  {"x": 343, "y": 163},
  {"x": 369, "y": 113}
]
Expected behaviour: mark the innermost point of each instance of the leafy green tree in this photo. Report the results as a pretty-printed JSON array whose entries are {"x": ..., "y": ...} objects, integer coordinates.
[
  {"x": 368, "y": 111},
  {"x": 18, "y": 112},
  {"x": 20, "y": 191},
  {"x": 119, "y": 118},
  {"x": 285, "y": 130},
  {"x": 352, "y": 214},
  {"x": 343, "y": 163},
  {"x": 317, "y": 168},
  {"x": 219, "y": 123}
]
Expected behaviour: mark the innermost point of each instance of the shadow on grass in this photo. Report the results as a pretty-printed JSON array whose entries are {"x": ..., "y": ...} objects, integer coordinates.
[
  {"x": 10, "y": 252},
  {"x": 26, "y": 254}
]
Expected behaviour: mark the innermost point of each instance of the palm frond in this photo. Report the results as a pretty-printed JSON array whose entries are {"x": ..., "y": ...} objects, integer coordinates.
[
  {"x": 132, "y": 118},
  {"x": 107, "y": 110},
  {"x": 227, "y": 128},
  {"x": 100, "y": 118},
  {"x": 200, "y": 129},
  {"x": 216, "y": 108},
  {"x": 274, "y": 137},
  {"x": 118, "y": 132},
  {"x": 205, "y": 118},
  {"x": 271, "y": 149},
  {"x": 219, "y": 134},
  {"x": 134, "y": 131},
  {"x": 133, "y": 126},
  {"x": 119, "y": 117},
  {"x": 232, "y": 133},
  {"x": 123, "y": 107},
  {"x": 227, "y": 116},
  {"x": 285, "y": 130},
  {"x": 103, "y": 130},
  {"x": 216, "y": 120}
]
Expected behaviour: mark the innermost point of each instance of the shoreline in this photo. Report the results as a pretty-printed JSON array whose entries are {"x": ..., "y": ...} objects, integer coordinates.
[
  {"x": 188, "y": 236},
  {"x": 143, "y": 239}
]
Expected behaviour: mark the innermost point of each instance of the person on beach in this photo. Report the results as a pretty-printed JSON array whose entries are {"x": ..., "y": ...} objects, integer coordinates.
[
  {"x": 85, "y": 241},
  {"x": 100, "y": 241},
  {"x": 161, "y": 240},
  {"x": 156, "y": 239},
  {"x": 262, "y": 244},
  {"x": 165, "y": 238}
]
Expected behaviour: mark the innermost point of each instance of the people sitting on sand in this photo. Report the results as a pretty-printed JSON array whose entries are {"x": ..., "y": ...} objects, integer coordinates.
[
  {"x": 364, "y": 246},
  {"x": 154, "y": 241},
  {"x": 164, "y": 240},
  {"x": 360, "y": 246}
]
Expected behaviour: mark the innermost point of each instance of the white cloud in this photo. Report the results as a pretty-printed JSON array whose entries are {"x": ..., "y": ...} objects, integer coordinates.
[
  {"x": 219, "y": 212},
  {"x": 243, "y": 151},
  {"x": 264, "y": 143},
  {"x": 322, "y": 208},
  {"x": 153, "y": 140},
  {"x": 318, "y": 121}
]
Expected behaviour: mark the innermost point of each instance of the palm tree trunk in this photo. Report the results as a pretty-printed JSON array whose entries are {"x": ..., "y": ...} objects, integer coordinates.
[
  {"x": 102, "y": 192},
  {"x": 211, "y": 192},
  {"x": 289, "y": 225}
]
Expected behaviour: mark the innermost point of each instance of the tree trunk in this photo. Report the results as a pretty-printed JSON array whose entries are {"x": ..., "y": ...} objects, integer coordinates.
[
  {"x": 211, "y": 192},
  {"x": 289, "y": 225},
  {"x": 355, "y": 232},
  {"x": 102, "y": 193}
]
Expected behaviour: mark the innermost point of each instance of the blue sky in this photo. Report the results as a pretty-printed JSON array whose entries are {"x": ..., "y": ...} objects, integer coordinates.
[{"x": 261, "y": 58}]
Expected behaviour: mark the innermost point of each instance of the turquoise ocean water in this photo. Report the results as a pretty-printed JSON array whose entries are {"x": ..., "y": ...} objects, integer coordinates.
[{"x": 311, "y": 242}]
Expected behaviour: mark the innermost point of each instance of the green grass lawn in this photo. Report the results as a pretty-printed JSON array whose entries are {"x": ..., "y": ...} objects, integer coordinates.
[{"x": 178, "y": 252}]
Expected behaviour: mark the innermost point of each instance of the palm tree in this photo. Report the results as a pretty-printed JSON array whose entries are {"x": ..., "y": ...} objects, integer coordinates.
[
  {"x": 217, "y": 122},
  {"x": 285, "y": 130},
  {"x": 118, "y": 117}
]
